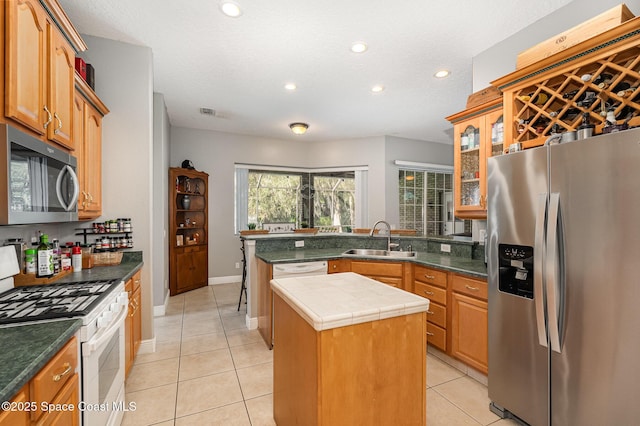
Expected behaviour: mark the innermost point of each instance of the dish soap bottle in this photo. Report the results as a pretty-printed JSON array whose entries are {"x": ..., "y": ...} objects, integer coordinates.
[{"x": 45, "y": 258}]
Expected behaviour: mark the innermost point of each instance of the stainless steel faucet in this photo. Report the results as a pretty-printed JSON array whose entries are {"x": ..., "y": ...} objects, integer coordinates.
[{"x": 389, "y": 245}]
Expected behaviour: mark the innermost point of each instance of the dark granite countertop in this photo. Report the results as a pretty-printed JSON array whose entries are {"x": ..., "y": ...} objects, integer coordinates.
[
  {"x": 131, "y": 263},
  {"x": 27, "y": 348},
  {"x": 448, "y": 263}
]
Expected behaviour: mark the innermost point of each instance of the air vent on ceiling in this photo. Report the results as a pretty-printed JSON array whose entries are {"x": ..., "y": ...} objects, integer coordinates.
[{"x": 208, "y": 111}]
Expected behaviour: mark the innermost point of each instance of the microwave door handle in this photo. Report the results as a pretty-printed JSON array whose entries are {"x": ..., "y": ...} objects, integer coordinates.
[
  {"x": 538, "y": 268},
  {"x": 76, "y": 188}
]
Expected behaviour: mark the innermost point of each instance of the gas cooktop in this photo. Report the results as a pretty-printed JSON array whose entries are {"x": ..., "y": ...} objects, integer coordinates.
[{"x": 52, "y": 301}]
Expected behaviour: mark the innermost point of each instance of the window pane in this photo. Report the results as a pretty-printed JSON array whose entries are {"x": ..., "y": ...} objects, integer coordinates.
[{"x": 334, "y": 200}]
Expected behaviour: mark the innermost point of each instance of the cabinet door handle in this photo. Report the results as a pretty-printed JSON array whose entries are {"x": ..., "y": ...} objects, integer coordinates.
[
  {"x": 429, "y": 334},
  {"x": 49, "y": 117},
  {"x": 430, "y": 277},
  {"x": 430, "y": 313},
  {"x": 57, "y": 130},
  {"x": 430, "y": 293},
  {"x": 67, "y": 370},
  {"x": 468, "y": 287}
]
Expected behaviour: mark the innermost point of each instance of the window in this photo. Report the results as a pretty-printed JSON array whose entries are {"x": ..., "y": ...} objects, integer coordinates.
[
  {"x": 273, "y": 197},
  {"x": 412, "y": 200},
  {"x": 324, "y": 199},
  {"x": 426, "y": 203},
  {"x": 334, "y": 201}
]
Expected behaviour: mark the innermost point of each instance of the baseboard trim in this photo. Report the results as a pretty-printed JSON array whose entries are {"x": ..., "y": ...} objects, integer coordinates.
[
  {"x": 252, "y": 323},
  {"x": 147, "y": 346},
  {"x": 225, "y": 280},
  {"x": 159, "y": 311}
]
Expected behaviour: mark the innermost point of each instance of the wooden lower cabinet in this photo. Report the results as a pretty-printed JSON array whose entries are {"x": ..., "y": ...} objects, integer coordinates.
[
  {"x": 133, "y": 322},
  {"x": 469, "y": 321},
  {"x": 17, "y": 417},
  {"x": 333, "y": 377},
  {"x": 190, "y": 267},
  {"x": 265, "y": 302},
  {"x": 392, "y": 273},
  {"x": 56, "y": 383},
  {"x": 457, "y": 316},
  {"x": 338, "y": 265},
  {"x": 432, "y": 284}
]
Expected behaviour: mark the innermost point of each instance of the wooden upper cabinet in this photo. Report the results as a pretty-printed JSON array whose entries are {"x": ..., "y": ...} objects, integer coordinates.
[
  {"x": 88, "y": 112},
  {"x": 39, "y": 73},
  {"x": 93, "y": 161},
  {"x": 60, "y": 88},
  {"x": 478, "y": 135},
  {"x": 26, "y": 61}
]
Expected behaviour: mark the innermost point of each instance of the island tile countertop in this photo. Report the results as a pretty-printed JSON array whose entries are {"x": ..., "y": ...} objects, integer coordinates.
[
  {"x": 465, "y": 266},
  {"x": 338, "y": 300},
  {"x": 27, "y": 348}
]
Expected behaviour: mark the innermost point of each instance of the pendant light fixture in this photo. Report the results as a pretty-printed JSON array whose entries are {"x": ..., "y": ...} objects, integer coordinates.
[{"x": 299, "y": 128}]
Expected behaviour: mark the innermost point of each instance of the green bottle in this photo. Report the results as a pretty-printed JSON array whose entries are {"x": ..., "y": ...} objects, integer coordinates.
[{"x": 45, "y": 258}]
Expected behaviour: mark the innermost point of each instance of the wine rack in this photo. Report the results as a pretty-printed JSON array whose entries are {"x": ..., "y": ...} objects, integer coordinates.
[{"x": 586, "y": 82}]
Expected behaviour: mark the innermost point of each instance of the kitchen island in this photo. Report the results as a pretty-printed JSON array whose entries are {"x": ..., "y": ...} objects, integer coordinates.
[{"x": 350, "y": 350}]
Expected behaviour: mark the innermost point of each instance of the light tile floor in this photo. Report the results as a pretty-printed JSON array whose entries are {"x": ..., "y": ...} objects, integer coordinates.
[{"x": 208, "y": 369}]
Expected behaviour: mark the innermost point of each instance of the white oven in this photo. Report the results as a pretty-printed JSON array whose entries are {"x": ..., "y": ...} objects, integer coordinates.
[{"x": 103, "y": 362}]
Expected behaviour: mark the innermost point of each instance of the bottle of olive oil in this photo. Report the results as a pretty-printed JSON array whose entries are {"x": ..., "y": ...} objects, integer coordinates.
[{"x": 45, "y": 258}]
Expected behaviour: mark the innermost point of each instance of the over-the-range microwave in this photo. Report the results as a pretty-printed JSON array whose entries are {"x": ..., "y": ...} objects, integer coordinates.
[{"x": 38, "y": 182}]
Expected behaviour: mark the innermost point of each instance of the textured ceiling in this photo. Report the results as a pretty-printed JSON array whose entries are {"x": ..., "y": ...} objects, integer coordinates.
[{"x": 238, "y": 66}]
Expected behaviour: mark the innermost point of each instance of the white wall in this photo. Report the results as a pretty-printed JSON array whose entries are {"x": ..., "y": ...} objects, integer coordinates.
[
  {"x": 500, "y": 59},
  {"x": 124, "y": 82},
  {"x": 161, "y": 141}
]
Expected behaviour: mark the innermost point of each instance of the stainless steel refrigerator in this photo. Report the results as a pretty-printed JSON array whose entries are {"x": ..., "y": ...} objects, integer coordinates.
[{"x": 564, "y": 282}]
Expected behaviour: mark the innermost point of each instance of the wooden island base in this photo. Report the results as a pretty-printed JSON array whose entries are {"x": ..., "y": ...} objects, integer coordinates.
[{"x": 372, "y": 373}]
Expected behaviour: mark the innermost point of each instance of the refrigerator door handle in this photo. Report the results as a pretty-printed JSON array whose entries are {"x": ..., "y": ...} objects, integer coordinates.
[
  {"x": 538, "y": 268},
  {"x": 553, "y": 270}
]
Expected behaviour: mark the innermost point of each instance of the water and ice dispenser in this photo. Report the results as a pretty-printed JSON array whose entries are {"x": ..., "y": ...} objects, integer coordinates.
[{"x": 515, "y": 270}]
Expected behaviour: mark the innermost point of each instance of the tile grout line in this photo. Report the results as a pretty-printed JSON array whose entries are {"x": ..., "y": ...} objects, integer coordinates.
[{"x": 235, "y": 368}]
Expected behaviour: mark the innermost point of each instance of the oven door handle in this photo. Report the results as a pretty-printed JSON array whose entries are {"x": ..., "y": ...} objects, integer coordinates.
[{"x": 89, "y": 347}]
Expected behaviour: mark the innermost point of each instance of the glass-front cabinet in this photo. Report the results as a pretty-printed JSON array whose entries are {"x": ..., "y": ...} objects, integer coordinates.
[{"x": 478, "y": 135}]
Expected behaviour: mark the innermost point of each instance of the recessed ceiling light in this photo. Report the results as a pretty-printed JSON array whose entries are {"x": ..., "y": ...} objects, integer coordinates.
[
  {"x": 441, "y": 74},
  {"x": 359, "y": 47},
  {"x": 377, "y": 88},
  {"x": 231, "y": 9},
  {"x": 290, "y": 86}
]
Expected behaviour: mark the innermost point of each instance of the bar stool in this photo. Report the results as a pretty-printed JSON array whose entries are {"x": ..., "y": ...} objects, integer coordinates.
[{"x": 243, "y": 287}]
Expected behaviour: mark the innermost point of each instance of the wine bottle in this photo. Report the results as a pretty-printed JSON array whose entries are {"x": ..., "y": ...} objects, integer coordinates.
[
  {"x": 603, "y": 81},
  {"x": 45, "y": 258}
]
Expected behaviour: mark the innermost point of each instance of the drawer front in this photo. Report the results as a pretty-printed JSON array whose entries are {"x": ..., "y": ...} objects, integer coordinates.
[
  {"x": 437, "y": 336},
  {"x": 437, "y": 315},
  {"x": 434, "y": 294},
  {"x": 54, "y": 375},
  {"x": 470, "y": 287},
  {"x": 377, "y": 268},
  {"x": 430, "y": 276},
  {"x": 393, "y": 282}
]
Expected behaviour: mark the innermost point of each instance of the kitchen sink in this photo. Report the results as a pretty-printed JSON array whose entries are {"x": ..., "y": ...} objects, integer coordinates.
[{"x": 379, "y": 253}]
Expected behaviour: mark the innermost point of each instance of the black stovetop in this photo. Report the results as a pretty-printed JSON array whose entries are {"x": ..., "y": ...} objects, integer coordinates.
[{"x": 52, "y": 301}]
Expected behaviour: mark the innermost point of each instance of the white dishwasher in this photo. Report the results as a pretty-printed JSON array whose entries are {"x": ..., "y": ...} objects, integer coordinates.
[
  {"x": 300, "y": 269},
  {"x": 290, "y": 270}
]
